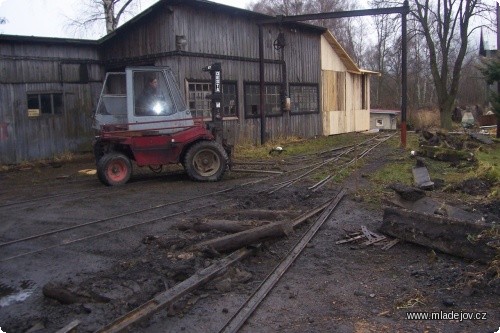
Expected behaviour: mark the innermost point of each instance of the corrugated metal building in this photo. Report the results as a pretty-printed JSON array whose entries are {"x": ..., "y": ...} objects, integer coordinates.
[{"x": 49, "y": 87}]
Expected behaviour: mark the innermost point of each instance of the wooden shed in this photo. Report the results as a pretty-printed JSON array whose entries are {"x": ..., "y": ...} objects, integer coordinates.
[
  {"x": 48, "y": 87},
  {"x": 345, "y": 90},
  {"x": 384, "y": 119},
  {"x": 328, "y": 93},
  {"x": 188, "y": 35}
]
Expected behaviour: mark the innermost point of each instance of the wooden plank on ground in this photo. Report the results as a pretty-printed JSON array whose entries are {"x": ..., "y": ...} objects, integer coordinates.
[
  {"x": 70, "y": 328},
  {"x": 164, "y": 299},
  {"x": 472, "y": 240}
]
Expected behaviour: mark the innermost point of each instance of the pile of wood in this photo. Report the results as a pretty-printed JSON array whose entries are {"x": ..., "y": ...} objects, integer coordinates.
[
  {"x": 466, "y": 239},
  {"x": 367, "y": 237},
  {"x": 244, "y": 233},
  {"x": 422, "y": 220}
]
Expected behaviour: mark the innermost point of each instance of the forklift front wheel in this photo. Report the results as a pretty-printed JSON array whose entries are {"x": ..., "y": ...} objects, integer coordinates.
[
  {"x": 114, "y": 169},
  {"x": 206, "y": 161}
]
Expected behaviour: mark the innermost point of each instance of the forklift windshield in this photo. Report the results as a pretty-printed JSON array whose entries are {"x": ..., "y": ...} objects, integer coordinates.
[{"x": 152, "y": 95}]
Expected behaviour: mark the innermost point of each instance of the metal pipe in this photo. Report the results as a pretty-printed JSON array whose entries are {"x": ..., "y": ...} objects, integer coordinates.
[
  {"x": 404, "y": 73},
  {"x": 261, "y": 86},
  {"x": 335, "y": 15}
]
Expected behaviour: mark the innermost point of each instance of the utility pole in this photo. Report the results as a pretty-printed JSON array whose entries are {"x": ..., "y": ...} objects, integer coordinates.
[{"x": 498, "y": 50}]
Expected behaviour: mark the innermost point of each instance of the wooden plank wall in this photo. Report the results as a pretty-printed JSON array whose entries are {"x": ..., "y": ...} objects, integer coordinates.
[
  {"x": 215, "y": 36},
  {"x": 212, "y": 36},
  {"x": 33, "y": 67},
  {"x": 238, "y": 37},
  {"x": 342, "y": 103}
]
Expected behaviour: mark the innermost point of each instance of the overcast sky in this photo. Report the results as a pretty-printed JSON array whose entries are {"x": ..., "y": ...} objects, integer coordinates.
[{"x": 49, "y": 18}]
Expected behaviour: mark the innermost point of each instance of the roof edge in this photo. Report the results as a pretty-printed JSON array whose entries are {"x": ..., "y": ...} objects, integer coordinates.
[
  {"x": 39, "y": 39},
  {"x": 344, "y": 56}
]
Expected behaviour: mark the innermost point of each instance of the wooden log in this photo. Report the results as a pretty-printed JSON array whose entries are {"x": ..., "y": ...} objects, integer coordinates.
[
  {"x": 251, "y": 236},
  {"x": 456, "y": 237},
  {"x": 63, "y": 295},
  {"x": 255, "y": 235},
  {"x": 229, "y": 226},
  {"x": 265, "y": 214}
]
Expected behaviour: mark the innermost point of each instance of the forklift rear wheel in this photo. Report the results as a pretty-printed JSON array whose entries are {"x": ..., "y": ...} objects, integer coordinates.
[
  {"x": 114, "y": 169},
  {"x": 206, "y": 161}
]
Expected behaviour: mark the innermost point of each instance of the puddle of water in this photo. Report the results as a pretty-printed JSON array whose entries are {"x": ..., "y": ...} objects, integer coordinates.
[{"x": 10, "y": 295}]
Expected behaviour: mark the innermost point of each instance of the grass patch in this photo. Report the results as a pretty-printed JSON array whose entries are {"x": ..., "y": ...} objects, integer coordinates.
[
  {"x": 296, "y": 146},
  {"x": 399, "y": 168}
]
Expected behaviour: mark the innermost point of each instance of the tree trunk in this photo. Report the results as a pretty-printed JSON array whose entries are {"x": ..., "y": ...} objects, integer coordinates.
[
  {"x": 228, "y": 226},
  {"x": 109, "y": 15},
  {"x": 252, "y": 236},
  {"x": 498, "y": 124},
  {"x": 445, "y": 112},
  {"x": 472, "y": 240}
]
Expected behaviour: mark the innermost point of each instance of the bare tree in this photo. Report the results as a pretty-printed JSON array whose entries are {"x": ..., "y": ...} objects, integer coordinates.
[
  {"x": 446, "y": 27},
  {"x": 348, "y": 31},
  {"x": 107, "y": 13},
  {"x": 279, "y": 7}
]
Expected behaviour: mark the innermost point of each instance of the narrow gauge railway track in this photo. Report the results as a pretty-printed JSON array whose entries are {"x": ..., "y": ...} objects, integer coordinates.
[
  {"x": 186, "y": 210},
  {"x": 117, "y": 217},
  {"x": 349, "y": 154},
  {"x": 94, "y": 192},
  {"x": 104, "y": 233},
  {"x": 312, "y": 160},
  {"x": 200, "y": 278},
  {"x": 310, "y": 168}
]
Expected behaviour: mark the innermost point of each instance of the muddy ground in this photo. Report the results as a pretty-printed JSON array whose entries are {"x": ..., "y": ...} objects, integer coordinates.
[{"x": 105, "y": 272}]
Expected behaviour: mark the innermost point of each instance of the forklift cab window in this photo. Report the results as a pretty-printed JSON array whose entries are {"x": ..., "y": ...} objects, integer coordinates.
[{"x": 152, "y": 97}]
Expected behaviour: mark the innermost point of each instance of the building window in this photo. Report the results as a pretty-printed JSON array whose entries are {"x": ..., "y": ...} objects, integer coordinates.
[
  {"x": 200, "y": 103},
  {"x": 47, "y": 103},
  {"x": 272, "y": 100},
  {"x": 379, "y": 122},
  {"x": 304, "y": 98}
]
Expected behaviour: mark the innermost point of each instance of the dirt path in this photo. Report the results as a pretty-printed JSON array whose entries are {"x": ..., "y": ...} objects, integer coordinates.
[{"x": 330, "y": 288}]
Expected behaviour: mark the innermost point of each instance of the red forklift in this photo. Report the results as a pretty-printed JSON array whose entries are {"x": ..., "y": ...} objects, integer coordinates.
[{"x": 142, "y": 117}]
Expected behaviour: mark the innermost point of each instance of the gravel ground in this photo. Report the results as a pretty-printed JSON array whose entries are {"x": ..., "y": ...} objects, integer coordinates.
[{"x": 105, "y": 272}]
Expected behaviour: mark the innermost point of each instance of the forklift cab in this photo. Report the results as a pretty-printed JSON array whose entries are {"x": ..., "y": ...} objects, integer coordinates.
[
  {"x": 142, "y": 117},
  {"x": 142, "y": 98}
]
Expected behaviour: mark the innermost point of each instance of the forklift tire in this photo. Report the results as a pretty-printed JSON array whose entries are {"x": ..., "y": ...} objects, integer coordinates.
[
  {"x": 114, "y": 169},
  {"x": 206, "y": 161}
]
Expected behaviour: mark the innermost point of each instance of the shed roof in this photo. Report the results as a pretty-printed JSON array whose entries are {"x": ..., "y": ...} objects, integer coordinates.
[
  {"x": 344, "y": 56},
  {"x": 46, "y": 40},
  {"x": 382, "y": 111},
  {"x": 206, "y": 5}
]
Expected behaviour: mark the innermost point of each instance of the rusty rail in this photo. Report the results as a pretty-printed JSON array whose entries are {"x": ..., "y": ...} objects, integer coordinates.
[{"x": 246, "y": 310}]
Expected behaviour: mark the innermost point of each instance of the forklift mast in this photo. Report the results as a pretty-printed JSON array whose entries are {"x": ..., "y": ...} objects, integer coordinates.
[{"x": 216, "y": 98}]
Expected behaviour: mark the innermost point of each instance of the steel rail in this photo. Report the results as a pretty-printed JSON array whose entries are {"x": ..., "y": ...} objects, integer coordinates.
[
  {"x": 164, "y": 299},
  {"x": 324, "y": 181},
  {"x": 112, "y": 231},
  {"x": 66, "y": 194},
  {"x": 296, "y": 179},
  {"x": 125, "y": 214},
  {"x": 246, "y": 310},
  {"x": 317, "y": 165}
]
